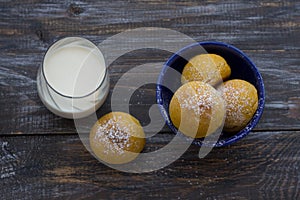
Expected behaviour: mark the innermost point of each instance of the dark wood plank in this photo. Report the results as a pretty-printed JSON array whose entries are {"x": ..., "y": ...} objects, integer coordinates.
[
  {"x": 267, "y": 31},
  {"x": 262, "y": 166},
  {"x": 39, "y": 160}
]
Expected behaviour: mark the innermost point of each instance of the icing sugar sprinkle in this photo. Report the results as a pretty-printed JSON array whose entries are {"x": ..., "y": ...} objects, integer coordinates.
[
  {"x": 113, "y": 135},
  {"x": 196, "y": 100},
  {"x": 237, "y": 105}
]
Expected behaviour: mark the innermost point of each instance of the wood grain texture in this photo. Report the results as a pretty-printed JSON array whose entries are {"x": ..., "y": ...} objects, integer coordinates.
[
  {"x": 41, "y": 156},
  {"x": 262, "y": 166},
  {"x": 267, "y": 31}
]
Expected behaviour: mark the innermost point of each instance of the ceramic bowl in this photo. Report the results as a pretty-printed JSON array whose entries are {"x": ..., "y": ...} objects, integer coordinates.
[{"x": 241, "y": 68}]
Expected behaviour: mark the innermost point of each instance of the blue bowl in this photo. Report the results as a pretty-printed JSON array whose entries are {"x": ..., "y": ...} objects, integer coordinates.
[{"x": 241, "y": 68}]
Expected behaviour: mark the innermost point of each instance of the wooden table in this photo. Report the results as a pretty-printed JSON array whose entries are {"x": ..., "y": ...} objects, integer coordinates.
[{"x": 41, "y": 155}]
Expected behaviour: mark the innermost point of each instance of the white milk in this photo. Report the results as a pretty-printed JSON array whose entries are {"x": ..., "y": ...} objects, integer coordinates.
[{"x": 73, "y": 81}]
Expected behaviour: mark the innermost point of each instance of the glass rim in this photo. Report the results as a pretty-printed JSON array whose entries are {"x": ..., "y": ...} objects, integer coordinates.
[{"x": 67, "y": 96}]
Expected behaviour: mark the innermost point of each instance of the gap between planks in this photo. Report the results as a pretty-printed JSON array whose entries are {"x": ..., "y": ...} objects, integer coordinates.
[{"x": 161, "y": 132}]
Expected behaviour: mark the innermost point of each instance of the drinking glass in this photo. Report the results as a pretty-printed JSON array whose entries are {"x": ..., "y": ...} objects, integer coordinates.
[{"x": 73, "y": 81}]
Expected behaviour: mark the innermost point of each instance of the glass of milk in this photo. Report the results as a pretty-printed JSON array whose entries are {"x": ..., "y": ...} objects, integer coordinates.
[{"x": 73, "y": 80}]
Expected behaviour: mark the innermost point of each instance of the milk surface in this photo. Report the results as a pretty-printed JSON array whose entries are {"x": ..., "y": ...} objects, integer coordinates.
[{"x": 74, "y": 71}]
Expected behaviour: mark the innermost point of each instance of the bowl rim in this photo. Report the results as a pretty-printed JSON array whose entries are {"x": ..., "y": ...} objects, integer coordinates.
[{"x": 261, "y": 95}]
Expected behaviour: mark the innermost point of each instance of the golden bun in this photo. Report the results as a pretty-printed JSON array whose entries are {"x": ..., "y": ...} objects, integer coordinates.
[
  {"x": 241, "y": 103},
  {"x": 208, "y": 68},
  {"x": 197, "y": 109},
  {"x": 117, "y": 138}
]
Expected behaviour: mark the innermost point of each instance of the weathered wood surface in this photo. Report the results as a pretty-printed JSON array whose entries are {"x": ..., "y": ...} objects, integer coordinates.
[
  {"x": 262, "y": 166},
  {"x": 41, "y": 156},
  {"x": 267, "y": 31}
]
